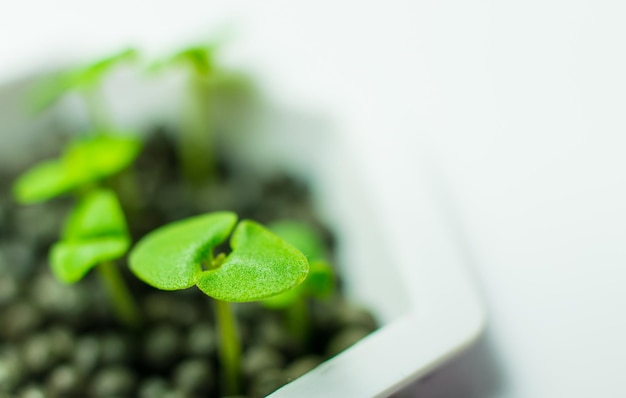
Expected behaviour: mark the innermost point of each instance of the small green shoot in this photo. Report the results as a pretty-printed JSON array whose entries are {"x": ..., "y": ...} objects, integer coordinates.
[
  {"x": 320, "y": 282},
  {"x": 260, "y": 265},
  {"x": 208, "y": 84},
  {"x": 87, "y": 81},
  {"x": 84, "y": 162},
  {"x": 95, "y": 234}
]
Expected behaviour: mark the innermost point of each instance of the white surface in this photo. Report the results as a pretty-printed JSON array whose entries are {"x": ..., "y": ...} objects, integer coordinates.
[{"x": 522, "y": 104}]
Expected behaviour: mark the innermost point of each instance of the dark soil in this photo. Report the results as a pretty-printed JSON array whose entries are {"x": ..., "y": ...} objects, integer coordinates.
[{"x": 62, "y": 341}]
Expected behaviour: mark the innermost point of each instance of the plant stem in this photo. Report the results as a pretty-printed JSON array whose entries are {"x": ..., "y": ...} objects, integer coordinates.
[
  {"x": 196, "y": 150},
  {"x": 229, "y": 347},
  {"x": 97, "y": 110},
  {"x": 124, "y": 306},
  {"x": 297, "y": 320}
]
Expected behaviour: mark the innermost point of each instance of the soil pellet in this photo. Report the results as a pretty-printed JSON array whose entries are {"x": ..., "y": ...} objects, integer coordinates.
[
  {"x": 162, "y": 345},
  {"x": 344, "y": 339},
  {"x": 32, "y": 391},
  {"x": 37, "y": 353},
  {"x": 201, "y": 340},
  {"x": 19, "y": 319},
  {"x": 8, "y": 290},
  {"x": 267, "y": 382},
  {"x": 301, "y": 366},
  {"x": 116, "y": 348},
  {"x": 194, "y": 376},
  {"x": 350, "y": 315},
  {"x": 259, "y": 358},
  {"x": 64, "y": 381},
  {"x": 153, "y": 387},
  {"x": 87, "y": 354},
  {"x": 62, "y": 342},
  {"x": 11, "y": 369},
  {"x": 117, "y": 381}
]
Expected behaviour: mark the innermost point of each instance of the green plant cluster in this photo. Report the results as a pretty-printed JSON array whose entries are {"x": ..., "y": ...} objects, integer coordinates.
[{"x": 282, "y": 266}]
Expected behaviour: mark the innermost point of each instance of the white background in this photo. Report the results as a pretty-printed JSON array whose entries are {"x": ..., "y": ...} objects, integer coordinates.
[{"x": 516, "y": 108}]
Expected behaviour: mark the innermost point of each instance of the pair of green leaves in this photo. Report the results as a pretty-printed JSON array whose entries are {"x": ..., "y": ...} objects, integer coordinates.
[
  {"x": 180, "y": 255},
  {"x": 95, "y": 232},
  {"x": 84, "y": 162}
]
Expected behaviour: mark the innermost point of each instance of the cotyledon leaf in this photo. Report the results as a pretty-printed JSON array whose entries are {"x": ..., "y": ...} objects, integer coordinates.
[
  {"x": 100, "y": 156},
  {"x": 260, "y": 265},
  {"x": 71, "y": 260},
  {"x": 98, "y": 214},
  {"x": 44, "y": 181},
  {"x": 302, "y": 236},
  {"x": 171, "y": 257},
  {"x": 85, "y": 161},
  {"x": 95, "y": 232}
]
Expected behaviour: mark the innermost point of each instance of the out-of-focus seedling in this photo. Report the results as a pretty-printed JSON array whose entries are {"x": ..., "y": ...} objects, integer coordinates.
[
  {"x": 260, "y": 265},
  {"x": 87, "y": 81},
  {"x": 319, "y": 284},
  {"x": 208, "y": 85},
  {"x": 95, "y": 235},
  {"x": 84, "y": 162}
]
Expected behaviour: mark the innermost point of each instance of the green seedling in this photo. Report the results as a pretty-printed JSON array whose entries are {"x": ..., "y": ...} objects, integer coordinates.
[
  {"x": 207, "y": 84},
  {"x": 260, "y": 265},
  {"x": 87, "y": 81},
  {"x": 84, "y": 163},
  {"x": 320, "y": 283},
  {"x": 95, "y": 235}
]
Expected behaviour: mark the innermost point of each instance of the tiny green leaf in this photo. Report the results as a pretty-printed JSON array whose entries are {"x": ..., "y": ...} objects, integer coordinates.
[
  {"x": 171, "y": 257},
  {"x": 98, "y": 214},
  {"x": 72, "y": 260},
  {"x": 302, "y": 236},
  {"x": 320, "y": 282},
  {"x": 100, "y": 156},
  {"x": 95, "y": 232},
  {"x": 85, "y": 161},
  {"x": 260, "y": 265},
  {"x": 81, "y": 78},
  {"x": 44, "y": 181},
  {"x": 200, "y": 58}
]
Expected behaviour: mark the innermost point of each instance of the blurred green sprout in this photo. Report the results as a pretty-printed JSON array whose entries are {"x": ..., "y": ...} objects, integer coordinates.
[
  {"x": 209, "y": 87},
  {"x": 87, "y": 81},
  {"x": 84, "y": 162},
  {"x": 319, "y": 284}
]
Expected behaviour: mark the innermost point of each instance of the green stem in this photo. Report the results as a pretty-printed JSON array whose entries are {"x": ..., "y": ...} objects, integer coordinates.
[
  {"x": 196, "y": 150},
  {"x": 97, "y": 110},
  {"x": 297, "y": 320},
  {"x": 229, "y": 347},
  {"x": 123, "y": 304}
]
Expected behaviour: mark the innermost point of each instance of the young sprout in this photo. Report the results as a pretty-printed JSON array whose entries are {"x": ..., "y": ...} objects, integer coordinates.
[
  {"x": 86, "y": 81},
  {"x": 95, "y": 235},
  {"x": 207, "y": 84},
  {"x": 95, "y": 232},
  {"x": 260, "y": 265},
  {"x": 320, "y": 283},
  {"x": 83, "y": 163}
]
